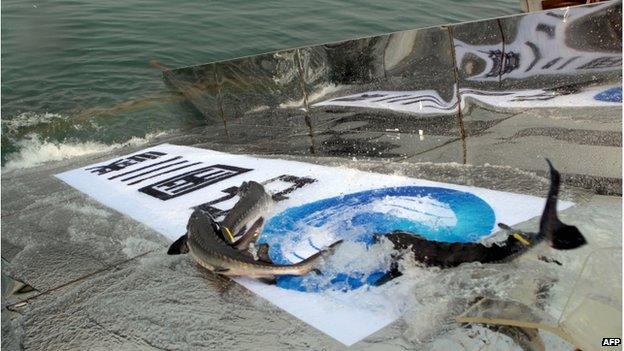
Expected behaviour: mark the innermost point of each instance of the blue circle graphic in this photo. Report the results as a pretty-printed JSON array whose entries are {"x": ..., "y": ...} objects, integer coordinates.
[
  {"x": 435, "y": 213},
  {"x": 610, "y": 95}
]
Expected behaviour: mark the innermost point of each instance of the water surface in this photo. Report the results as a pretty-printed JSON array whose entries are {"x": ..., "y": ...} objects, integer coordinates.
[{"x": 78, "y": 70}]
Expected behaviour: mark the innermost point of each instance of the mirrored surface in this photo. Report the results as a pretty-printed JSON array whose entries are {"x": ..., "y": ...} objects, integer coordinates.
[{"x": 505, "y": 91}]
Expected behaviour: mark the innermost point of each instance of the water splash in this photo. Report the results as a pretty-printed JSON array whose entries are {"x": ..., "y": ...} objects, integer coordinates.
[{"x": 34, "y": 151}]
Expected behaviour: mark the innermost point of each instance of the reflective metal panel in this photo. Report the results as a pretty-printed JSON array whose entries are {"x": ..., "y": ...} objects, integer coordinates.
[
  {"x": 400, "y": 103},
  {"x": 543, "y": 90},
  {"x": 505, "y": 91}
]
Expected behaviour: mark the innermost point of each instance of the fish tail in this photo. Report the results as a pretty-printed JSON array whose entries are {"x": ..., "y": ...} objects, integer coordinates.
[
  {"x": 549, "y": 221},
  {"x": 560, "y": 235},
  {"x": 179, "y": 246},
  {"x": 555, "y": 180}
]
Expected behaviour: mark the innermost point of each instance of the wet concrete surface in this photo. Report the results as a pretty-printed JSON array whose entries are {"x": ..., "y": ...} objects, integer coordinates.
[
  {"x": 103, "y": 281},
  {"x": 585, "y": 147}
]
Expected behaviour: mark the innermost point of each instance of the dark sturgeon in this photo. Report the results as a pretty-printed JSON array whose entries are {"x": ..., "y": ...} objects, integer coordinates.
[
  {"x": 435, "y": 253},
  {"x": 214, "y": 245}
]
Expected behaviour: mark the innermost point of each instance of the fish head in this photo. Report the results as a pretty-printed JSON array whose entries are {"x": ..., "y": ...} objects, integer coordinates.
[
  {"x": 243, "y": 189},
  {"x": 567, "y": 237},
  {"x": 202, "y": 225},
  {"x": 251, "y": 211}
]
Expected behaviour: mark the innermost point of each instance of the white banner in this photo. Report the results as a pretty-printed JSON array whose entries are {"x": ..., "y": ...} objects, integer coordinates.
[{"x": 316, "y": 205}]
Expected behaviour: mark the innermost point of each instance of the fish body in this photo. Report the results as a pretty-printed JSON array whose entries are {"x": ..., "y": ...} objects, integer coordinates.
[
  {"x": 445, "y": 254},
  {"x": 243, "y": 223}
]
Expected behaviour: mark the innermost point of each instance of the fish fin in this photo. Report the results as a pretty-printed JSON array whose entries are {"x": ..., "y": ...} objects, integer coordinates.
[
  {"x": 24, "y": 288},
  {"x": 310, "y": 261},
  {"x": 263, "y": 253},
  {"x": 522, "y": 237},
  {"x": 560, "y": 235},
  {"x": 243, "y": 189},
  {"x": 391, "y": 274},
  {"x": 179, "y": 246},
  {"x": 334, "y": 245},
  {"x": 567, "y": 237},
  {"x": 220, "y": 270},
  {"x": 241, "y": 231},
  {"x": 504, "y": 226},
  {"x": 249, "y": 235},
  {"x": 268, "y": 281}
]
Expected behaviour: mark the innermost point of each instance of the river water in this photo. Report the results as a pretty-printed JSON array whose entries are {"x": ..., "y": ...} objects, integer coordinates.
[{"x": 76, "y": 74}]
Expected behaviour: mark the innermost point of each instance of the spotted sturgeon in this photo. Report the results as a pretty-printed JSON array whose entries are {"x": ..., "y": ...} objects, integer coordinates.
[{"x": 213, "y": 246}]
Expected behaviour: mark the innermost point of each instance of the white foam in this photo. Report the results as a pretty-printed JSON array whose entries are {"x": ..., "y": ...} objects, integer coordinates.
[
  {"x": 34, "y": 151},
  {"x": 29, "y": 119},
  {"x": 352, "y": 258}
]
